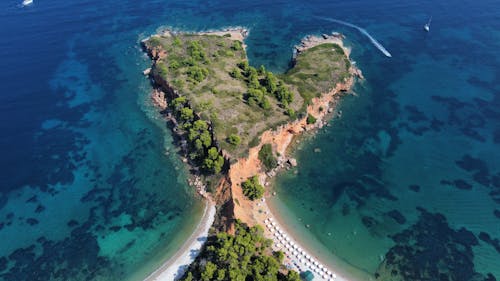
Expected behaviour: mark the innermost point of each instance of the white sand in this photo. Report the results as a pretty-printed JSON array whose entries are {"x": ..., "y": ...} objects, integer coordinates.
[
  {"x": 175, "y": 267},
  {"x": 294, "y": 255}
]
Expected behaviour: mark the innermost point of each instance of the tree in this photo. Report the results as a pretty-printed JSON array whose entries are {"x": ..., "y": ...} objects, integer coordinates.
[
  {"x": 270, "y": 82},
  {"x": 178, "y": 102},
  {"x": 292, "y": 276},
  {"x": 186, "y": 114},
  {"x": 214, "y": 161},
  {"x": 252, "y": 188},
  {"x": 208, "y": 273},
  {"x": 206, "y": 139},
  {"x": 283, "y": 94},
  {"x": 195, "y": 50},
  {"x": 243, "y": 256},
  {"x": 196, "y": 74},
  {"x": 189, "y": 277},
  {"x": 265, "y": 104}
]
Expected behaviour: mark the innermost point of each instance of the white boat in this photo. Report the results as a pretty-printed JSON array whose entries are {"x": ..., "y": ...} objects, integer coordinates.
[
  {"x": 427, "y": 26},
  {"x": 27, "y": 2}
]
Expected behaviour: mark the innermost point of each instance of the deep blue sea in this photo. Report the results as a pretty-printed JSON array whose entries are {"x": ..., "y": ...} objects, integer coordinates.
[{"x": 405, "y": 185}]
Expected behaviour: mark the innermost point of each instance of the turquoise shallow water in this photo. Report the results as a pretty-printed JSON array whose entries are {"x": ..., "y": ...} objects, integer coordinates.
[
  {"x": 405, "y": 183},
  {"x": 88, "y": 193}
]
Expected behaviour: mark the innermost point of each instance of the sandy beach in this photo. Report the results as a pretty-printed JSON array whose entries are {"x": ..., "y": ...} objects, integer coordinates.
[
  {"x": 297, "y": 255},
  {"x": 175, "y": 267}
]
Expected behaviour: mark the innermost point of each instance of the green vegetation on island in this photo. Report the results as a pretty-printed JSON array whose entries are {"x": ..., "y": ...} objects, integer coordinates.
[
  {"x": 234, "y": 98},
  {"x": 221, "y": 105},
  {"x": 252, "y": 189},
  {"x": 310, "y": 119},
  {"x": 244, "y": 256},
  {"x": 266, "y": 156}
]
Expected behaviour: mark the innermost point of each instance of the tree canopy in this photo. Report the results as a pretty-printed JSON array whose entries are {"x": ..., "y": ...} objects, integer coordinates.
[
  {"x": 245, "y": 256},
  {"x": 252, "y": 188}
]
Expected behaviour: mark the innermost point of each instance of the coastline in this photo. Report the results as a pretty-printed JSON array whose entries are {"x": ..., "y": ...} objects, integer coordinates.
[
  {"x": 281, "y": 139},
  {"x": 310, "y": 244},
  {"x": 175, "y": 266}
]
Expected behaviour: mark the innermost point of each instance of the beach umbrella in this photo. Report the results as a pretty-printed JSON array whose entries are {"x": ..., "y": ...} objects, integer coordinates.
[
  {"x": 316, "y": 263},
  {"x": 287, "y": 239},
  {"x": 302, "y": 252},
  {"x": 334, "y": 275},
  {"x": 272, "y": 230},
  {"x": 278, "y": 245},
  {"x": 322, "y": 275},
  {"x": 274, "y": 223},
  {"x": 281, "y": 231},
  {"x": 308, "y": 257},
  {"x": 329, "y": 273},
  {"x": 321, "y": 266}
]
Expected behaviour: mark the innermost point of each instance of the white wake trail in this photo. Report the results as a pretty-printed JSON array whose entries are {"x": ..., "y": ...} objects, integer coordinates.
[{"x": 363, "y": 31}]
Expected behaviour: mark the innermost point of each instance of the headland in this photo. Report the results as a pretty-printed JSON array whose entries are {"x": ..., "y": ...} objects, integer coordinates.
[{"x": 234, "y": 124}]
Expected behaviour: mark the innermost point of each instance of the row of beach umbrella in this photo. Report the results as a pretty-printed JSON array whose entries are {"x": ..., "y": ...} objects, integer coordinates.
[{"x": 282, "y": 240}]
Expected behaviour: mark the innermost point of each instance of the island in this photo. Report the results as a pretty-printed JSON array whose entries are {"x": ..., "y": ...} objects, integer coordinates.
[{"x": 234, "y": 123}]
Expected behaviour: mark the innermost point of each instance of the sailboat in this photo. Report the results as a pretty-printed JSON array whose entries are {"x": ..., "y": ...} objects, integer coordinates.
[
  {"x": 27, "y": 2},
  {"x": 427, "y": 26}
]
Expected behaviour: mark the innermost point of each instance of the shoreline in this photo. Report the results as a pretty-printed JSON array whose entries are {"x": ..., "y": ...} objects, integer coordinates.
[
  {"x": 175, "y": 266},
  {"x": 282, "y": 140},
  {"x": 310, "y": 243}
]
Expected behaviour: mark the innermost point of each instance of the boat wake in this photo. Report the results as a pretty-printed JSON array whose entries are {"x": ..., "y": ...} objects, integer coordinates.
[{"x": 363, "y": 31}]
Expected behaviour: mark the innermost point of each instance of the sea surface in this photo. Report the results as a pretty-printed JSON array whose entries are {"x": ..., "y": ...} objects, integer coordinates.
[{"x": 405, "y": 182}]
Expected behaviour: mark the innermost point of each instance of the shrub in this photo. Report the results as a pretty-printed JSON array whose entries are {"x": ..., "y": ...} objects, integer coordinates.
[
  {"x": 290, "y": 112},
  {"x": 310, "y": 119},
  {"x": 197, "y": 74},
  {"x": 236, "y": 73},
  {"x": 237, "y": 46},
  {"x": 161, "y": 69},
  {"x": 267, "y": 158},
  {"x": 195, "y": 50},
  {"x": 252, "y": 188},
  {"x": 234, "y": 139},
  {"x": 174, "y": 64},
  {"x": 177, "y": 42},
  {"x": 154, "y": 41}
]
